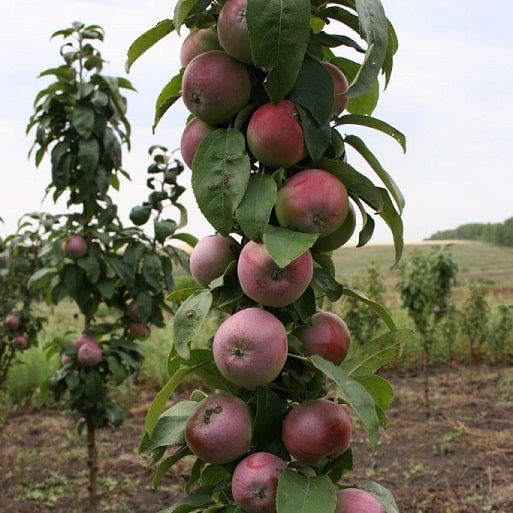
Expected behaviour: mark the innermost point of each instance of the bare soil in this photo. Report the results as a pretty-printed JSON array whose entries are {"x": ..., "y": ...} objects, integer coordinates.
[{"x": 459, "y": 460}]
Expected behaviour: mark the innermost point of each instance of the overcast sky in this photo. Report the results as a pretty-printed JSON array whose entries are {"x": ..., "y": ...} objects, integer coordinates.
[{"x": 450, "y": 94}]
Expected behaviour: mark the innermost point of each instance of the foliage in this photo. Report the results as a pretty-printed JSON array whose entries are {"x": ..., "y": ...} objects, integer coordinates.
[{"x": 236, "y": 194}]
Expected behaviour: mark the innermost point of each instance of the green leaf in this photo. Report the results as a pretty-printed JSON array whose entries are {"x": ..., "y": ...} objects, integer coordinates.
[
  {"x": 163, "y": 467},
  {"x": 182, "y": 9},
  {"x": 285, "y": 245},
  {"x": 82, "y": 118},
  {"x": 88, "y": 154},
  {"x": 255, "y": 208},
  {"x": 377, "y": 307},
  {"x": 163, "y": 229},
  {"x": 152, "y": 272},
  {"x": 147, "y": 40},
  {"x": 89, "y": 263},
  {"x": 268, "y": 416},
  {"x": 298, "y": 493},
  {"x": 383, "y": 494},
  {"x": 220, "y": 176},
  {"x": 279, "y": 33},
  {"x": 377, "y": 124},
  {"x": 328, "y": 284},
  {"x": 367, "y": 358},
  {"x": 167, "y": 97},
  {"x": 374, "y": 163},
  {"x": 355, "y": 394},
  {"x": 374, "y": 29},
  {"x": 170, "y": 428},
  {"x": 394, "y": 222},
  {"x": 189, "y": 318}
]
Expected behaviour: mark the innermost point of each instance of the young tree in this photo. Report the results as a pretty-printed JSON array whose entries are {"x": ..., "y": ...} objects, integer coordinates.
[
  {"x": 91, "y": 257},
  {"x": 425, "y": 287},
  {"x": 270, "y": 174}
]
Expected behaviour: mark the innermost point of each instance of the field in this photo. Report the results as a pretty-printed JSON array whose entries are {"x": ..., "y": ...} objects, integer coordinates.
[{"x": 459, "y": 460}]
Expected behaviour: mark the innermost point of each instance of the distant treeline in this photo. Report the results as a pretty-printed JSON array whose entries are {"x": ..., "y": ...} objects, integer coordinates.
[{"x": 500, "y": 234}]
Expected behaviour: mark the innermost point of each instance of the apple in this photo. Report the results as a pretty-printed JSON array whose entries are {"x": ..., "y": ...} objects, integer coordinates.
[
  {"x": 232, "y": 31},
  {"x": 316, "y": 430},
  {"x": 220, "y": 429},
  {"x": 250, "y": 347},
  {"x": 327, "y": 336},
  {"x": 340, "y": 236},
  {"x": 65, "y": 359},
  {"x": 275, "y": 135},
  {"x": 215, "y": 87},
  {"x": 75, "y": 246},
  {"x": 194, "y": 132},
  {"x": 139, "y": 330},
  {"x": 83, "y": 339},
  {"x": 132, "y": 311},
  {"x": 198, "y": 41},
  {"x": 264, "y": 282},
  {"x": 355, "y": 500},
  {"x": 340, "y": 87},
  {"x": 20, "y": 341},
  {"x": 312, "y": 201},
  {"x": 89, "y": 354},
  {"x": 211, "y": 256},
  {"x": 12, "y": 322},
  {"x": 255, "y": 482}
]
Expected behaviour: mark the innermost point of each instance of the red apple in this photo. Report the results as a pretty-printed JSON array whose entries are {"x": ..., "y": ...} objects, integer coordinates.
[
  {"x": 20, "y": 341},
  {"x": 232, "y": 31},
  {"x": 220, "y": 429},
  {"x": 275, "y": 135},
  {"x": 65, "y": 359},
  {"x": 327, "y": 336},
  {"x": 139, "y": 330},
  {"x": 12, "y": 322},
  {"x": 198, "y": 41},
  {"x": 354, "y": 500},
  {"x": 266, "y": 283},
  {"x": 341, "y": 235},
  {"x": 85, "y": 338},
  {"x": 75, "y": 246},
  {"x": 312, "y": 201},
  {"x": 340, "y": 87},
  {"x": 250, "y": 347},
  {"x": 211, "y": 256},
  {"x": 316, "y": 430},
  {"x": 89, "y": 354},
  {"x": 255, "y": 481},
  {"x": 132, "y": 311},
  {"x": 215, "y": 87},
  {"x": 194, "y": 132}
]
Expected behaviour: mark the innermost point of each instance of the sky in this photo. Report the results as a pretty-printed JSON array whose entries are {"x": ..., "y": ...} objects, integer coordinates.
[{"x": 450, "y": 94}]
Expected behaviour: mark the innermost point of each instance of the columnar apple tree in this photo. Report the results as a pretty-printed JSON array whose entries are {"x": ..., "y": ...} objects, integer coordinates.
[
  {"x": 118, "y": 276},
  {"x": 273, "y": 87}
]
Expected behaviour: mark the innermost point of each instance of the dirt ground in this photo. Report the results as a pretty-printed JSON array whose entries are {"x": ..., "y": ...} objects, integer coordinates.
[{"x": 459, "y": 460}]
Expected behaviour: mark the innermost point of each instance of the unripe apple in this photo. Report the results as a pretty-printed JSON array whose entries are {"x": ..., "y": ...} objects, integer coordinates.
[
  {"x": 139, "y": 330},
  {"x": 75, "y": 246},
  {"x": 198, "y": 41},
  {"x": 255, "y": 482},
  {"x": 327, "y": 336},
  {"x": 215, "y": 87},
  {"x": 316, "y": 430},
  {"x": 211, "y": 256},
  {"x": 194, "y": 132},
  {"x": 20, "y": 341},
  {"x": 250, "y": 347},
  {"x": 232, "y": 30},
  {"x": 275, "y": 135},
  {"x": 220, "y": 429},
  {"x": 85, "y": 338},
  {"x": 89, "y": 354},
  {"x": 12, "y": 322},
  {"x": 340, "y": 87},
  {"x": 354, "y": 500},
  {"x": 312, "y": 201},
  {"x": 263, "y": 281},
  {"x": 341, "y": 235}
]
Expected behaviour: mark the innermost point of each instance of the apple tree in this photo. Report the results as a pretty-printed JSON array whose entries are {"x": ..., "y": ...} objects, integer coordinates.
[
  {"x": 273, "y": 88},
  {"x": 117, "y": 275}
]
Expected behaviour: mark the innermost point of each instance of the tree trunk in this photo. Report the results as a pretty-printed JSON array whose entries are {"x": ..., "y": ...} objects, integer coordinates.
[
  {"x": 427, "y": 408},
  {"x": 92, "y": 463}
]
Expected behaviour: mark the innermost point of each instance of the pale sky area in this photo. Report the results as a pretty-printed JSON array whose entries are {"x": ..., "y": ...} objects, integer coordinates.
[{"x": 450, "y": 94}]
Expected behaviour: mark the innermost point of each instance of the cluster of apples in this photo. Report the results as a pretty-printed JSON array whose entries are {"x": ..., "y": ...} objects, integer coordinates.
[
  {"x": 13, "y": 324},
  {"x": 250, "y": 347},
  {"x": 89, "y": 351}
]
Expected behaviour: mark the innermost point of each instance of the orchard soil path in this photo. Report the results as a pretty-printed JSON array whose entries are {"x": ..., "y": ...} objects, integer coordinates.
[{"x": 460, "y": 460}]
